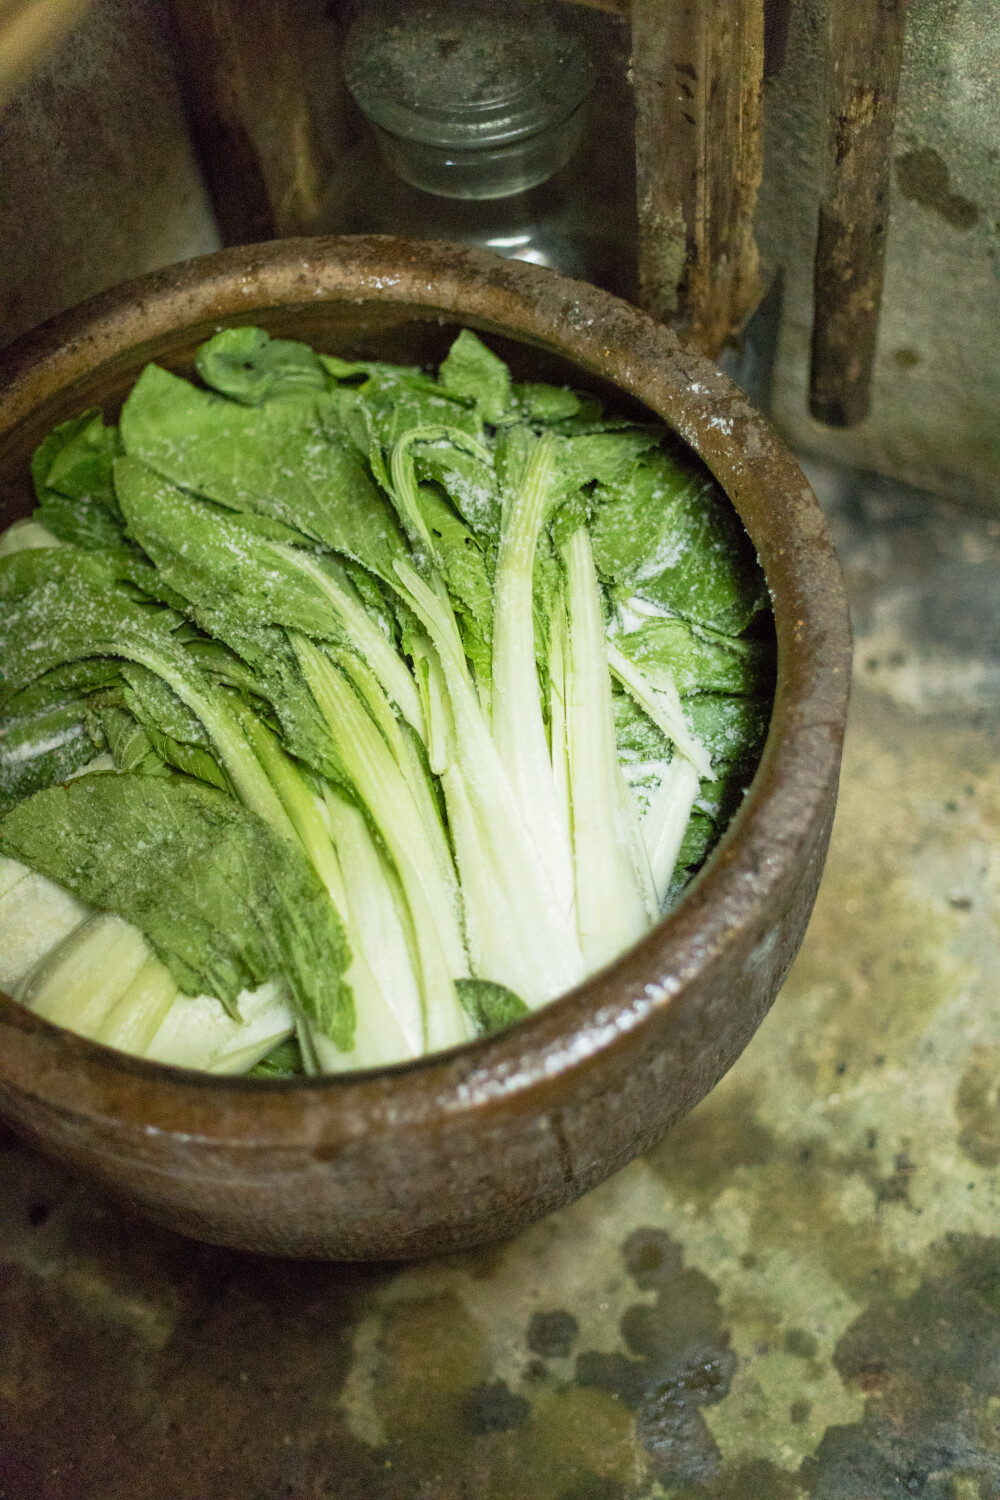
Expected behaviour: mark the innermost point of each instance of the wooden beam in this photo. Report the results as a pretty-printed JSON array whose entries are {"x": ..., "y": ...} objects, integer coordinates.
[
  {"x": 864, "y": 58},
  {"x": 262, "y": 86},
  {"x": 777, "y": 24},
  {"x": 698, "y": 66}
]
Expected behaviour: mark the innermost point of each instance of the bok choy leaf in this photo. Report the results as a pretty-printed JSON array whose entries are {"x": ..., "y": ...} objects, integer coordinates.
[{"x": 349, "y": 711}]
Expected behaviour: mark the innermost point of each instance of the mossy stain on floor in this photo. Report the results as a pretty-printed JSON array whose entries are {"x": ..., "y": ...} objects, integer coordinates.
[
  {"x": 710, "y": 1149},
  {"x": 930, "y": 1369},
  {"x": 433, "y": 1357},
  {"x": 872, "y": 967},
  {"x": 678, "y": 1362},
  {"x": 977, "y": 1107}
]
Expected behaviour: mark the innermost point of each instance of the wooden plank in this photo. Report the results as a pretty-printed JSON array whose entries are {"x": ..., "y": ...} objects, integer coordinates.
[
  {"x": 777, "y": 23},
  {"x": 865, "y": 50},
  {"x": 698, "y": 67},
  {"x": 262, "y": 86}
]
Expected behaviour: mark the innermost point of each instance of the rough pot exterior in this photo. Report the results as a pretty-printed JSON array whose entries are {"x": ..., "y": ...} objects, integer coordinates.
[{"x": 473, "y": 1144}]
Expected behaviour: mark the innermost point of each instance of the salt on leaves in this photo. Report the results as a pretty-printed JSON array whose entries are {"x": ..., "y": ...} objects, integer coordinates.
[{"x": 464, "y": 675}]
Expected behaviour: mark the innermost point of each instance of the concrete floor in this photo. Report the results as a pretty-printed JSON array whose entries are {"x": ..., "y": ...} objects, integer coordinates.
[{"x": 796, "y": 1295}]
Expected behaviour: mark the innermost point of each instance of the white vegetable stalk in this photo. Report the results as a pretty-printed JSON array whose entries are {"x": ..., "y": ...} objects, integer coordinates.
[
  {"x": 558, "y": 693},
  {"x": 386, "y": 1038},
  {"x": 492, "y": 910},
  {"x": 518, "y": 725},
  {"x": 374, "y": 919},
  {"x": 105, "y": 982},
  {"x": 197, "y": 1032},
  {"x": 246, "y": 773},
  {"x": 35, "y": 915},
  {"x": 132, "y": 1024},
  {"x": 407, "y": 758},
  {"x": 81, "y": 981},
  {"x": 656, "y": 693},
  {"x": 11, "y": 871},
  {"x": 20, "y": 536},
  {"x": 437, "y": 713},
  {"x": 540, "y": 938},
  {"x": 667, "y": 818},
  {"x": 362, "y": 632},
  {"x": 381, "y": 786},
  {"x": 611, "y": 907},
  {"x": 299, "y": 802}
]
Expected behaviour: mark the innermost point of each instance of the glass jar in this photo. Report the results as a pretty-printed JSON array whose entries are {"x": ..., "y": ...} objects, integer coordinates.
[
  {"x": 469, "y": 98},
  {"x": 477, "y": 109}
]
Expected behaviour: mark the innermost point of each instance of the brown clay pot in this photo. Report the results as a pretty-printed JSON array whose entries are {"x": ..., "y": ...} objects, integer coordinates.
[{"x": 469, "y": 1145}]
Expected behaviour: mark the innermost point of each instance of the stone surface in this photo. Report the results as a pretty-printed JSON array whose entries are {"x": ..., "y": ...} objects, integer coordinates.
[{"x": 796, "y": 1296}]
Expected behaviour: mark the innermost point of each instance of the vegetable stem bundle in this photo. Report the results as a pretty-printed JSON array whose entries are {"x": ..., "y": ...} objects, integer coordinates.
[{"x": 348, "y": 712}]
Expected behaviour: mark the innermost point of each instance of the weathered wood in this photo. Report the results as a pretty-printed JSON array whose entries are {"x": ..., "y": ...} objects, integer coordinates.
[
  {"x": 698, "y": 66},
  {"x": 777, "y": 23},
  {"x": 263, "y": 90},
  {"x": 865, "y": 49}
]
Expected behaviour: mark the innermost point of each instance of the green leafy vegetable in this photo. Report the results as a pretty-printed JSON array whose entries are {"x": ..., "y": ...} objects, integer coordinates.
[
  {"x": 284, "y": 1061},
  {"x": 699, "y": 661},
  {"x": 472, "y": 370},
  {"x": 546, "y": 403},
  {"x": 278, "y": 460},
  {"x": 71, "y": 471},
  {"x": 667, "y": 534},
  {"x": 225, "y": 902},
  {"x": 250, "y": 367},
  {"x": 47, "y": 627},
  {"x": 348, "y": 710},
  {"x": 37, "y": 750},
  {"x": 490, "y": 1007}
]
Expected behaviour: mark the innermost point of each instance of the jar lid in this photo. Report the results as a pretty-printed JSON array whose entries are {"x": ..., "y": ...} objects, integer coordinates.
[{"x": 464, "y": 74}]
